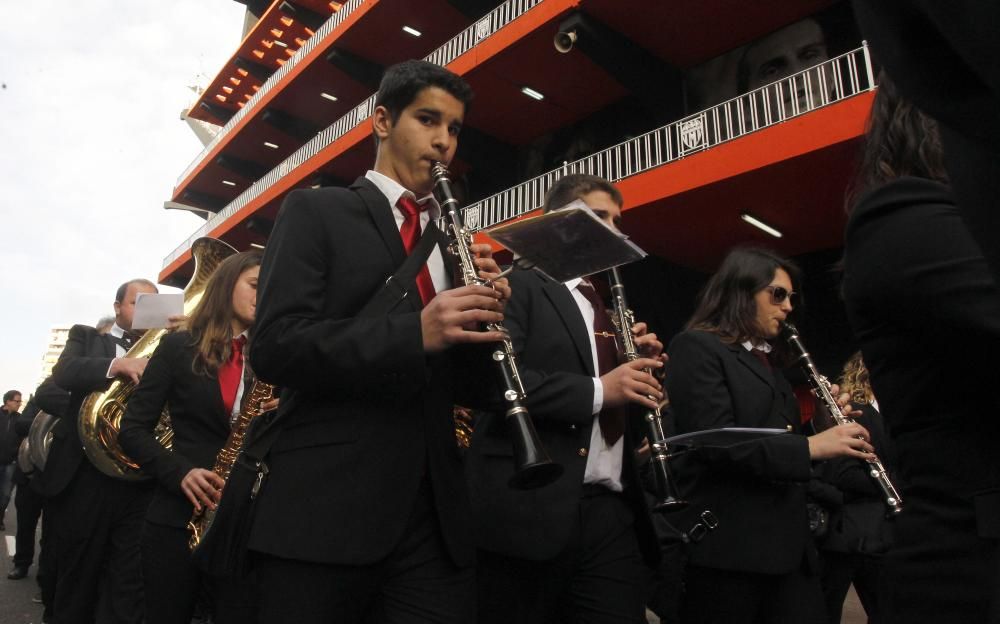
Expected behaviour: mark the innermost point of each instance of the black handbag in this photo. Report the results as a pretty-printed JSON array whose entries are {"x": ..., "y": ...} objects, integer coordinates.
[{"x": 223, "y": 549}]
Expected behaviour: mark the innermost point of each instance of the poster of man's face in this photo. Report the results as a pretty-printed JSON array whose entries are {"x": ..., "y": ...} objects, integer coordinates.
[{"x": 773, "y": 57}]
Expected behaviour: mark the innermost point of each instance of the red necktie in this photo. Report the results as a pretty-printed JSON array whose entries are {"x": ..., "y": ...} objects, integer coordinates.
[
  {"x": 230, "y": 374},
  {"x": 410, "y": 233},
  {"x": 612, "y": 419}
]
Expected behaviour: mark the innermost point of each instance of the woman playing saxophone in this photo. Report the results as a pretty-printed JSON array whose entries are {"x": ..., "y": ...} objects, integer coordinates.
[{"x": 200, "y": 376}]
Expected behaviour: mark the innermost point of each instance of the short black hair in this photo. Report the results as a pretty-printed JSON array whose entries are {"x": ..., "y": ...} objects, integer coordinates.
[
  {"x": 10, "y": 394},
  {"x": 402, "y": 82},
  {"x": 575, "y": 186},
  {"x": 120, "y": 293}
]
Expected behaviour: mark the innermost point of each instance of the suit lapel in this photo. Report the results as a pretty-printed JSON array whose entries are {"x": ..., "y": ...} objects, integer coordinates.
[
  {"x": 562, "y": 300},
  {"x": 756, "y": 366},
  {"x": 381, "y": 215}
]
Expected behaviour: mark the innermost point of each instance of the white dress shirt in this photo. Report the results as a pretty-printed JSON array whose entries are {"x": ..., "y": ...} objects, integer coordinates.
[
  {"x": 604, "y": 463},
  {"x": 393, "y": 191}
]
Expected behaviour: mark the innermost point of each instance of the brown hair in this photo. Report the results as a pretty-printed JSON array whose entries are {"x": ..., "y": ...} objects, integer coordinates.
[
  {"x": 210, "y": 323},
  {"x": 726, "y": 305},
  {"x": 900, "y": 141}
]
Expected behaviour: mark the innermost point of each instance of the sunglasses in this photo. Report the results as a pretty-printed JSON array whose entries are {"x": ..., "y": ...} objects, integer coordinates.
[{"x": 779, "y": 294}]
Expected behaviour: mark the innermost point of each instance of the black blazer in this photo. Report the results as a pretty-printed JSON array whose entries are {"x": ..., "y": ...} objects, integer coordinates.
[
  {"x": 556, "y": 365},
  {"x": 368, "y": 412},
  {"x": 82, "y": 368},
  {"x": 926, "y": 310},
  {"x": 198, "y": 418},
  {"x": 756, "y": 489}
]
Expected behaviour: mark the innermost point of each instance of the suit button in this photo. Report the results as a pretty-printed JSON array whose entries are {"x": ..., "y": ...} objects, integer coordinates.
[
  {"x": 572, "y": 427},
  {"x": 582, "y": 452}
]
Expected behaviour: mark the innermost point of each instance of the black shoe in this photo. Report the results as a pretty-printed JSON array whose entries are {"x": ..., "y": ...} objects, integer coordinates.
[{"x": 18, "y": 572}]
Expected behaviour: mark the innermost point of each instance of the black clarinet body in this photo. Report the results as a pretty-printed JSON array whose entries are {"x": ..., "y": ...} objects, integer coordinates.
[
  {"x": 623, "y": 319},
  {"x": 821, "y": 388},
  {"x": 532, "y": 466}
]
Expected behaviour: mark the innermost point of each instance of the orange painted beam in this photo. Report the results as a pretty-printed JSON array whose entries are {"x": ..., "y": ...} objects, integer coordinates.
[
  {"x": 821, "y": 128},
  {"x": 316, "y": 53}
]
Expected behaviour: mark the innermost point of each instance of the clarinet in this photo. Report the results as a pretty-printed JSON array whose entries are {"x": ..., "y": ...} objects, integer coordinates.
[
  {"x": 821, "y": 388},
  {"x": 532, "y": 466},
  {"x": 623, "y": 319}
]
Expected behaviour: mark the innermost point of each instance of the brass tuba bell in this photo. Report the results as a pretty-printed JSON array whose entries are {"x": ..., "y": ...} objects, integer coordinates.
[{"x": 101, "y": 413}]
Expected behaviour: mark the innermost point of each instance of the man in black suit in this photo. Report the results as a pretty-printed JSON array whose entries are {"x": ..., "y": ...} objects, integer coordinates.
[
  {"x": 96, "y": 518},
  {"x": 9, "y": 441},
  {"x": 572, "y": 550},
  {"x": 364, "y": 512}
]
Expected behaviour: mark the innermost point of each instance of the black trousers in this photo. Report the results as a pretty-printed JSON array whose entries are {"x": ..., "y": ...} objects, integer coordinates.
[
  {"x": 96, "y": 524},
  {"x": 29, "y": 504},
  {"x": 842, "y": 569},
  {"x": 172, "y": 584},
  {"x": 714, "y": 596},
  {"x": 599, "y": 578},
  {"x": 417, "y": 582}
]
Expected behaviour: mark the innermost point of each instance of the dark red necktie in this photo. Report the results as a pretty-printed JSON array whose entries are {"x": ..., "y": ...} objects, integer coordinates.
[
  {"x": 761, "y": 355},
  {"x": 230, "y": 374},
  {"x": 612, "y": 420},
  {"x": 410, "y": 233}
]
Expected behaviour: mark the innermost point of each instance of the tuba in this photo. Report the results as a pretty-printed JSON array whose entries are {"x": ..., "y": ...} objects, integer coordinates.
[
  {"x": 34, "y": 449},
  {"x": 101, "y": 413}
]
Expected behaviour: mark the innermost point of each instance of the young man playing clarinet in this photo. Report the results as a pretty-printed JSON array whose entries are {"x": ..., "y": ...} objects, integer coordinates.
[
  {"x": 571, "y": 551},
  {"x": 364, "y": 515}
]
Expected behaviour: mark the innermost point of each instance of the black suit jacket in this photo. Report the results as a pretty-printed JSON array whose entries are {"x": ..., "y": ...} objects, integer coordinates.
[
  {"x": 557, "y": 368},
  {"x": 926, "y": 311},
  {"x": 756, "y": 489},
  {"x": 198, "y": 418},
  {"x": 82, "y": 368},
  {"x": 368, "y": 413}
]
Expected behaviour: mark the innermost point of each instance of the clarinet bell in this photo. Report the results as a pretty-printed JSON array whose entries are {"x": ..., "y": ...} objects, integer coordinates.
[{"x": 533, "y": 468}]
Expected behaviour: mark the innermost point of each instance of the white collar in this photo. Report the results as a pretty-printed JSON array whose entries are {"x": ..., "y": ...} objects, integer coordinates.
[
  {"x": 116, "y": 331},
  {"x": 393, "y": 190},
  {"x": 764, "y": 346}
]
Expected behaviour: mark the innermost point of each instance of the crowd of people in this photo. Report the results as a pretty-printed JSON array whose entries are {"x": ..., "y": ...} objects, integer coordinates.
[{"x": 364, "y": 508}]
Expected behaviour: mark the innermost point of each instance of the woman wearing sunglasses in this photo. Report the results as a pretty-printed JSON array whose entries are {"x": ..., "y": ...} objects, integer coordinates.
[
  {"x": 199, "y": 374},
  {"x": 759, "y": 564}
]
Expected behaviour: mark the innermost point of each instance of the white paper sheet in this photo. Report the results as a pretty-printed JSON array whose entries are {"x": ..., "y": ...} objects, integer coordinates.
[{"x": 153, "y": 309}]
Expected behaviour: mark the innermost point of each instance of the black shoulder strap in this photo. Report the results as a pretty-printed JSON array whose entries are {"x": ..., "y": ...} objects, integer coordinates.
[{"x": 394, "y": 289}]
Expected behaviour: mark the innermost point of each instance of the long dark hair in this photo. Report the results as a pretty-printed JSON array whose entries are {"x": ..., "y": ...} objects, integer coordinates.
[
  {"x": 726, "y": 305},
  {"x": 211, "y": 322},
  {"x": 900, "y": 141}
]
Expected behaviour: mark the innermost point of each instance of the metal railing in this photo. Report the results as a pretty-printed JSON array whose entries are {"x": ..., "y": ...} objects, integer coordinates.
[
  {"x": 821, "y": 85},
  {"x": 320, "y": 35},
  {"x": 455, "y": 47}
]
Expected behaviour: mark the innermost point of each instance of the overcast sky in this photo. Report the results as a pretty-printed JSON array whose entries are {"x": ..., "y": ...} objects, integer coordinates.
[{"x": 92, "y": 145}]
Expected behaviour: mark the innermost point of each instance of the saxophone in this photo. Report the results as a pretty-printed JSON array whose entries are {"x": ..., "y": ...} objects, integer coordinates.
[{"x": 259, "y": 392}]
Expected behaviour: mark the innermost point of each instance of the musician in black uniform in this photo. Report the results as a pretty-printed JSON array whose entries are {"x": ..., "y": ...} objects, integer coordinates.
[
  {"x": 96, "y": 518},
  {"x": 364, "y": 512},
  {"x": 199, "y": 375},
  {"x": 760, "y": 564},
  {"x": 573, "y": 550},
  {"x": 926, "y": 310}
]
